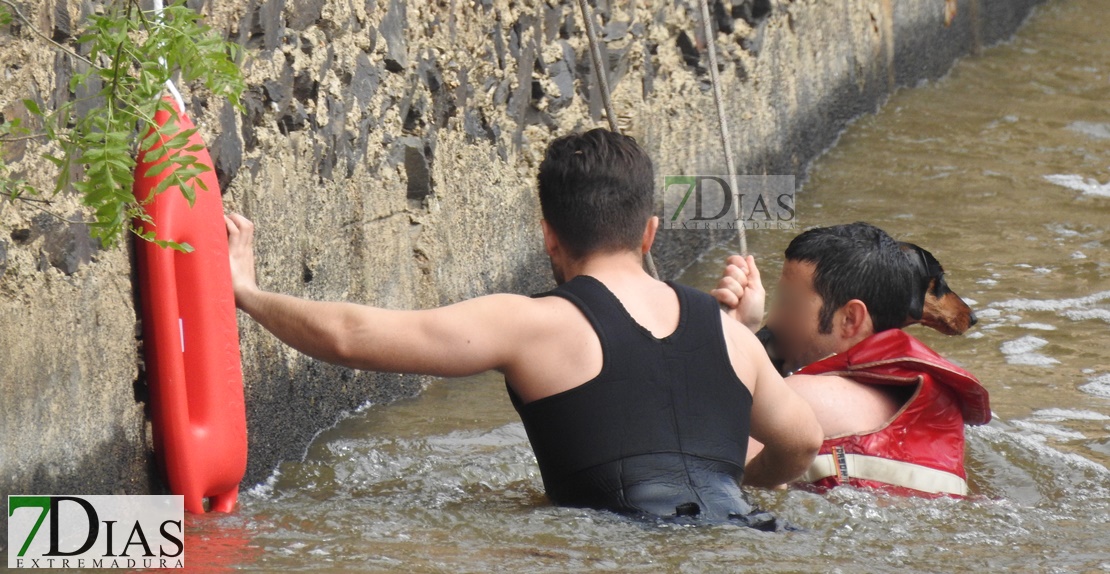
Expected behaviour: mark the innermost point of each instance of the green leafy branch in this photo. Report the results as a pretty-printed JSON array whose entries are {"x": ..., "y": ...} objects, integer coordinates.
[
  {"x": 130, "y": 55},
  {"x": 12, "y": 130}
]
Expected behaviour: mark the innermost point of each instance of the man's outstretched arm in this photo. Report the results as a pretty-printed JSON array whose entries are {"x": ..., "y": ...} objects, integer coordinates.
[{"x": 457, "y": 340}]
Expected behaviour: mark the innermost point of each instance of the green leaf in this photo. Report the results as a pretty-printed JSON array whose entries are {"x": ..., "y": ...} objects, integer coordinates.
[{"x": 32, "y": 107}]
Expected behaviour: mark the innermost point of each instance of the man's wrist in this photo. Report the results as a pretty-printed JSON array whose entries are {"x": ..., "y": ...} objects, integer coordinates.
[{"x": 246, "y": 298}]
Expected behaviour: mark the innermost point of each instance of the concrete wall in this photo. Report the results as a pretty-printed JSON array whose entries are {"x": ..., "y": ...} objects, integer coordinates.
[{"x": 387, "y": 155}]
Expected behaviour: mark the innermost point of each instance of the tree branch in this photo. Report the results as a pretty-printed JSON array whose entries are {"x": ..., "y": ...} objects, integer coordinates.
[{"x": 28, "y": 24}]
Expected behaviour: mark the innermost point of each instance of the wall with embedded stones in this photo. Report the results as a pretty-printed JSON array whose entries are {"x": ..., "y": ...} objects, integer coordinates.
[{"x": 387, "y": 153}]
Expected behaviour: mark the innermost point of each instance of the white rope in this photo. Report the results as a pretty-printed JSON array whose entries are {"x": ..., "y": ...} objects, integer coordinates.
[
  {"x": 711, "y": 44},
  {"x": 172, "y": 89},
  {"x": 606, "y": 99}
]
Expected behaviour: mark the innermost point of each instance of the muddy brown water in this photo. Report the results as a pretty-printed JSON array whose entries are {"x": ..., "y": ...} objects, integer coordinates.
[{"x": 1002, "y": 170}]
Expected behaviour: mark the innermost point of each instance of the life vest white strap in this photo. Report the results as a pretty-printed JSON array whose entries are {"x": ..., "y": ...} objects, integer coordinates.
[{"x": 893, "y": 472}]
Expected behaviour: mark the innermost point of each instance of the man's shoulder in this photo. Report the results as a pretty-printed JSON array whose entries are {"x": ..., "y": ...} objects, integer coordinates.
[
  {"x": 894, "y": 357},
  {"x": 843, "y": 405}
]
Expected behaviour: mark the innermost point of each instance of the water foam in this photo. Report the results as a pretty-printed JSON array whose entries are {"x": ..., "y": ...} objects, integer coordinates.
[
  {"x": 1037, "y": 326},
  {"x": 1091, "y": 129},
  {"x": 1021, "y": 352},
  {"x": 1057, "y": 414},
  {"x": 1049, "y": 431},
  {"x": 1052, "y": 304},
  {"x": 1098, "y": 386},
  {"x": 1089, "y": 186}
]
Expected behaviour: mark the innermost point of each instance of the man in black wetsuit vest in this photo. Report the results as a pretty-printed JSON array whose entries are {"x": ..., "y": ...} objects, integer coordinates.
[{"x": 638, "y": 396}]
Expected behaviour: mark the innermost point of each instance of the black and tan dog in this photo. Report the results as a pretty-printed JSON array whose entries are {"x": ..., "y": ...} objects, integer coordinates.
[{"x": 933, "y": 303}]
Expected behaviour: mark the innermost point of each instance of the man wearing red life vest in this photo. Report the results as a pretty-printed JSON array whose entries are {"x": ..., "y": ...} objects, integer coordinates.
[{"x": 892, "y": 410}]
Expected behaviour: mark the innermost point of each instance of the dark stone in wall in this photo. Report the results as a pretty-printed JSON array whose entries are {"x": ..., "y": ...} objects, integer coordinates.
[
  {"x": 392, "y": 30},
  {"x": 83, "y": 96},
  {"x": 270, "y": 20},
  {"x": 552, "y": 22},
  {"x": 563, "y": 77},
  {"x": 337, "y": 144},
  {"x": 294, "y": 119},
  {"x": 3, "y": 256},
  {"x": 306, "y": 13},
  {"x": 498, "y": 44},
  {"x": 279, "y": 90},
  {"x": 418, "y": 169},
  {"x": 305, "y": 87},
  {"x": 63, "y": 70},
  {"x": 363, "y": 86},
  {"x": 690, "y": 53},
  {"x": 66, "y": 246},
  {"x": 366, "y": 79},
  {"x": 254, "y": 112},
  {"x": 723, "y": 20},
  {"x": 614, "y": 31},
  {"x": 227, "y": 148},
  {"x": 754, "y": 12},
  {"x": 648, "y": 68},
  {"x": 63, "y": 24},
  {"x": 21, "y": 236}
]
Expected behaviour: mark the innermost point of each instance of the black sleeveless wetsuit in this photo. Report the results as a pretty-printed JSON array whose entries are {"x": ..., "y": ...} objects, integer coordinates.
[{"x": 663, "y": 428}]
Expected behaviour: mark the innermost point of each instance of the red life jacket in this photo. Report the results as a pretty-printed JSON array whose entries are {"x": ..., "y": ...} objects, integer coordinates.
[{"x": 921, "y": 449}]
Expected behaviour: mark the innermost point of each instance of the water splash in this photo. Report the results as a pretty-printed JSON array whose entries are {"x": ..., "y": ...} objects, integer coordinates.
[
  {"x": 1021, "y": 352},
  {"x": 1088, "y": 186}
]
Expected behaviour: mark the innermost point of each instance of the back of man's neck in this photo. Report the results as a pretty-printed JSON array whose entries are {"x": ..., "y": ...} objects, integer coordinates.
[{"x": 615, "y": 267}]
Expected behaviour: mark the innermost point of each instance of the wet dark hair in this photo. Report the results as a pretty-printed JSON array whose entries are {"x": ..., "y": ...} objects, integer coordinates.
[
  {"x": 856, "y": 261},
  {"x": 596, "y": 191}
]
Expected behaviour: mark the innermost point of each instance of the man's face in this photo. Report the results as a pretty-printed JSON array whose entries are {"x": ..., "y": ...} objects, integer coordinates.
[{"x": 794, "y": 318}]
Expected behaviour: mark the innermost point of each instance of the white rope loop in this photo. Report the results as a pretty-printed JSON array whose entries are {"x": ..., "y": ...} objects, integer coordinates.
[{"x": 172, "y": 89}]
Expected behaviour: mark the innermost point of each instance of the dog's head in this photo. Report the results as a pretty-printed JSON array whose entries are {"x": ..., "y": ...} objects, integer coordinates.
[{"x": 933, "y": 303}]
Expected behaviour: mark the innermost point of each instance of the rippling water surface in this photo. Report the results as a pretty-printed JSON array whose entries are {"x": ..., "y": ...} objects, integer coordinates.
[{"x": 1002, "y": 170}]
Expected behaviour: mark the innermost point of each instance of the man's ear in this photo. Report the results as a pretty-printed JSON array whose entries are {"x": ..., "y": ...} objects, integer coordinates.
[
  {"x": 853, "y": 320},
  {"x": 649, "y": 233},
  {"x": 550, "y": 239}
]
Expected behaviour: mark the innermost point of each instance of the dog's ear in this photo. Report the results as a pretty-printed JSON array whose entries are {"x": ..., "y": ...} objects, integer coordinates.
[
  {"x": 918, "y": 257},
  {"x": 932, "y": 267},
  {"x": 921, "y": 279},
  {"x": 917, "y": 302}
]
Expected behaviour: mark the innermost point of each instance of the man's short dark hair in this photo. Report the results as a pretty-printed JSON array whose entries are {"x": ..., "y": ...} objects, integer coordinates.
[
  {"x": 596, "y": 191},
  {"x": 856, "y": 261}
]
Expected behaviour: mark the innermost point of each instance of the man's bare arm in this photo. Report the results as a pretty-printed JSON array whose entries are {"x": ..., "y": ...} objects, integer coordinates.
[
  {"x": 781, "y": 420},
  {"x": 457, "y": 340}
]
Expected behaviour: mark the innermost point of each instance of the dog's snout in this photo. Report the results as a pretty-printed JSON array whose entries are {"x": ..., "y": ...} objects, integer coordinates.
[{"x": 973, "y": 320}]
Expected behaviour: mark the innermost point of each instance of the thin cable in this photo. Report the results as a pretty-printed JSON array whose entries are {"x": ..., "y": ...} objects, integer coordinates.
[
  {"x": 606, "y": 99},
  {"x": 711, "y": 44}
]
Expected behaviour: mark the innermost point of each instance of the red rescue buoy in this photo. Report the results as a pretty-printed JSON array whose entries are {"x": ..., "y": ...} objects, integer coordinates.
[{"x": 190, "y": 334}]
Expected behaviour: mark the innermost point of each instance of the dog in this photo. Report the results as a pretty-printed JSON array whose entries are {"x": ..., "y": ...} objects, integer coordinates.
[{"x": 932, "y": 302}]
